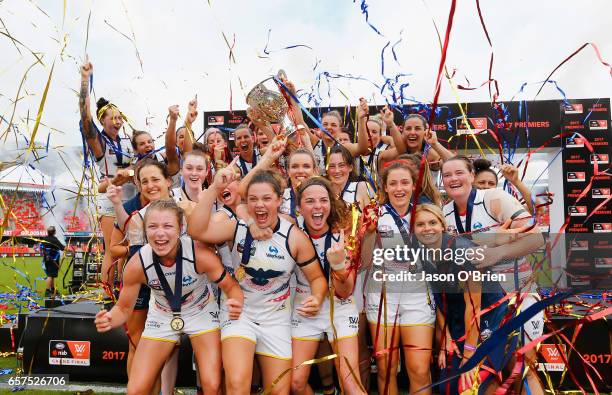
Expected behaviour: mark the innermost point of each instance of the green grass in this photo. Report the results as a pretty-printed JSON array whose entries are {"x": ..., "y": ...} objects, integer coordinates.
[{"x": 26, "y": 271}]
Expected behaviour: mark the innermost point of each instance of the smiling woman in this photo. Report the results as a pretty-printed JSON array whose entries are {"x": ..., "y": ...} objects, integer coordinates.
[
  {"x": 187, "y": 307},
  {"x": 263, "y": 269}
]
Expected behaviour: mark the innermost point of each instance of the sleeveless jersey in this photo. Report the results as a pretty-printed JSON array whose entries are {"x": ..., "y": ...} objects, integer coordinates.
[
  {"x": 196, "y": 292},
  {"x": 483, "y": 222},
  {"x": 391, "y": 238},
  {"x": 225, "y": 253},
  {"x": 288, "y": 202},
  {"x": 320, "y": 153},
  {"x": 371, "y": 160},
  {"x": 265, "y": 278}
]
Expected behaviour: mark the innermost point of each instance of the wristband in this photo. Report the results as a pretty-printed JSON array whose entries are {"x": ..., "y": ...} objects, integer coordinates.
[
  {"x": 338, "y": 267},
  {"x": 469, "y": 347}
]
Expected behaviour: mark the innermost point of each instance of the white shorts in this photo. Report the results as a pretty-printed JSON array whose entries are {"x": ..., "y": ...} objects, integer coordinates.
[
  {"x": 272, "y": 340},
  {"x": 358, "y": 291},
  {"x": 534, "y": 327},
  {"x": 413, "y": 309},
  {"x": 157, "y": 326},
  {"x": 105, "y": 206},
  {"x": 346, "y": 322}
]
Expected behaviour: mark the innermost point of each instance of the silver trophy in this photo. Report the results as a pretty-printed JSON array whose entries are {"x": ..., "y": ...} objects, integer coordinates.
[{"x": 269, "y": 105}]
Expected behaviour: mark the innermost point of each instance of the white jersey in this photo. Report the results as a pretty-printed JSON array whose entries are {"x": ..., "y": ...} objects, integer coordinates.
[
  {"x": 320, "y": 153},
  {"x": 245, "y": 166},
  {"x": 391, "y": 237},
  {"x": 289, "y": 205},
  {"x": 371, "y": 160},
  {"x": 349, "y": 193},
  {"x": 482, "y": 222},
  {"x": 117, "y": 154},
  {"x": 195, "y": 293},
  {"x": 265, "y": 278},
  {"x": 224, "y": 251}
]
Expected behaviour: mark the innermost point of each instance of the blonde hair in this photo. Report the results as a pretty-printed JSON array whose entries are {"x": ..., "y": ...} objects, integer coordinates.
[{"x": 433, "y": 210}]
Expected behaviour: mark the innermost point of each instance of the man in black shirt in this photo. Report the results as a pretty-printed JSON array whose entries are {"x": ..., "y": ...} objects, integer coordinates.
[{"x": 51, "y": 247}]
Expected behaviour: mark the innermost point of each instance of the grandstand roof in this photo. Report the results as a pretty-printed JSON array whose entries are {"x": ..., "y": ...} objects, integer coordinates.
[{"x": 25, "y": 178}]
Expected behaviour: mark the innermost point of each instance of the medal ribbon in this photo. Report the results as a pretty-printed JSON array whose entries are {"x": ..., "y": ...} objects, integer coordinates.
[
  {"x": 174, "y": 298},
  {"x": 468, "y": 214}
]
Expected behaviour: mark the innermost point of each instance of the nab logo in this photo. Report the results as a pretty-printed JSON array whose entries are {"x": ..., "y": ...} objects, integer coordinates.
[
  {"x": 574, "y": 142},
  {"x": 602, "y": 227},
  {"x": 577, "y": 211},
  {"x": 471, "y": 125},
  {"x": 600, "y": 159},
  {"x": 572, "y": 108},
  {"x": 576, "y": 176},
  {"x": 598, "y": 124},
  {"x": 600, "y": 193}
]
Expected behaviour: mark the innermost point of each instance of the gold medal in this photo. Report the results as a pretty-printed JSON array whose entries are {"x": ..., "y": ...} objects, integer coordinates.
[
  {"x": 239, "y": 274},
  {"x": 177, "y": 323}
]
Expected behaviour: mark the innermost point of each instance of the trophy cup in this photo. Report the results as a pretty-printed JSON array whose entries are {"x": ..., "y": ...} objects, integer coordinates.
[{"x": 269, "y": 106}]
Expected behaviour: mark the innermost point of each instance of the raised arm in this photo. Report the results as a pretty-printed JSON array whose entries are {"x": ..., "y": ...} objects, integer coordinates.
[
  {"x": 432, "y": 139},
  {"x": 362, "y": 147},
  {"x": 87, "y": 128},
  {"x": 172, "y": 158},
  {"x": 510, "y": 173},
  {"x": 199, "y": 219},
  {"x": 274, "y": 151},
  {"x": 192, "y": 114},
  {"x": 398, "y": 142},
  {"x": 133, "y": 278}
]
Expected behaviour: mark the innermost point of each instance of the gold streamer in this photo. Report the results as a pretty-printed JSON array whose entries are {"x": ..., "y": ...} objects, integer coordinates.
[{"x": 315, "y": 361}]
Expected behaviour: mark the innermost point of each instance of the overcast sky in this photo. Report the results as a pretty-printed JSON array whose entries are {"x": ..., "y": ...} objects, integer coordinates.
[{"x": 183, "y": 52}]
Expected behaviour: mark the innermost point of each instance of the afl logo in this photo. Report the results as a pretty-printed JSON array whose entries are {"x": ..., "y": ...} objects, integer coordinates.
[
  {"x": 240, "y": 248},
  {"x": 60, "y": 346},
  {"x": 452, "y": 229}
]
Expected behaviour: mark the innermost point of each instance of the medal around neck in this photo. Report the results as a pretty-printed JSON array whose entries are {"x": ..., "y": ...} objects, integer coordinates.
[{"x": 177, "y": 323}]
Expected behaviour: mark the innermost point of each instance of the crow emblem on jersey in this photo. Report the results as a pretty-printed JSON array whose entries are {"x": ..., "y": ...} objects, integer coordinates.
[{"x": 260, "y": 276}]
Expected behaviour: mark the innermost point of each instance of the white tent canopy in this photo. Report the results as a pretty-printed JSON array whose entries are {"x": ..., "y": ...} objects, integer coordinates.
[{"x": 25, "y": 178}]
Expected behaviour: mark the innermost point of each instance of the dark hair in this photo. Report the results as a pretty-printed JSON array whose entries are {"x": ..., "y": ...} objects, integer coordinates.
[
  {"x": 389, "y": 167},
  {"x": 51, "y": 231},
  {"x": 165, "y": 205},
  {"x": 101, "y": 103},
  {"x": 346, "y": 156},
  {"x": 482, "y": 165},
  {"x": 419, "y": 117},
  {"x": 267, "y": 177},
  {"x": 151, "y": 162},
  {"x": 462, "y": 158},
  {"x": 339, "y": 215},
  {"x": 135, "y": 135}
]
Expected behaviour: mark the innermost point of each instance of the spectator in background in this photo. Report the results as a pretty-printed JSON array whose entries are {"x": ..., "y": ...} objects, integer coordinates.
[{"x": 51, "y": 248}]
